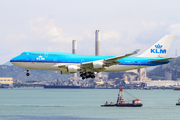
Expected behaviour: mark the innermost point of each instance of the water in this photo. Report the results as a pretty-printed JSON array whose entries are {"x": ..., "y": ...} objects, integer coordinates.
[{"x": 80, "y": 104}]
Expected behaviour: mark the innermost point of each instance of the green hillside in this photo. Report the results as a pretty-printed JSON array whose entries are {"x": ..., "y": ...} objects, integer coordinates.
[
  {"x": 18, "y": 73},
  {"x": 159, "y": 72}
]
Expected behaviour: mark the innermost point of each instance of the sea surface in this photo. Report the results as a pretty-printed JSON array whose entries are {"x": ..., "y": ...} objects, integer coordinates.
[{"x": 84, "y": 104}]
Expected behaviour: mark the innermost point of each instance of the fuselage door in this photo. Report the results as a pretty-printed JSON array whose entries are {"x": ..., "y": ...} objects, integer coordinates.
[
  {"x": 139, "y": 64},
  {"x": 54, "y": 60},
  {"x": 32, "y": 60},
  {"x": 82, "y": 60},
  {"x": 27, "y": 57},
  {"x": 46, "y": 54}
]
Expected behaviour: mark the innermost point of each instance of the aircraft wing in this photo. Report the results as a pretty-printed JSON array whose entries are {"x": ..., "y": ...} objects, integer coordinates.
[
  {"x": 99, "y": 65},
  {"x": 114, "y": 59},
  {"x": 105, "y": 62}
]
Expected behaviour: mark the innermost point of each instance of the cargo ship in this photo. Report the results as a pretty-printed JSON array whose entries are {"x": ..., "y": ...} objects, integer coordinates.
[{"x": 122, "y": 103}]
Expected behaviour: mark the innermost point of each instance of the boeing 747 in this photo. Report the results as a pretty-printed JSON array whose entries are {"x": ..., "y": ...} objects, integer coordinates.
[{"x": 88, "y": 65}]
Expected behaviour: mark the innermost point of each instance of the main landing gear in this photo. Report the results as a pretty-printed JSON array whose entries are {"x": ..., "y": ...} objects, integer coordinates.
[
  {"x": 27, "y": 74},
  {"x": 86, "y": 75}
]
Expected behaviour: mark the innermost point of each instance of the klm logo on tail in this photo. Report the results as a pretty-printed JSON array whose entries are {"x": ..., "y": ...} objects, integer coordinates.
[{"x": 158, "y": 49}]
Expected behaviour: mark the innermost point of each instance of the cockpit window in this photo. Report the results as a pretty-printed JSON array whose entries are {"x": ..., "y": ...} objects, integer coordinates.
[{"x": 23, "y": 53}]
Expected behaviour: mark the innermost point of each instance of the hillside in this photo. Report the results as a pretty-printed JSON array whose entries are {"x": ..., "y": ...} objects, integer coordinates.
[
  {"x": 159, "y": 72},
  {"x": 18, "y": 73}
]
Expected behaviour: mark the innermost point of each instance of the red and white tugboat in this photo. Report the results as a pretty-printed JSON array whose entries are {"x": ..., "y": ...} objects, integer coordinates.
[{"x": 122, "y": 103}]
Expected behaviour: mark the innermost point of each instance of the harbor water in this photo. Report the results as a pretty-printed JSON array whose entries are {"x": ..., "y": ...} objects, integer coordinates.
[{"x": 84, "y": 104}]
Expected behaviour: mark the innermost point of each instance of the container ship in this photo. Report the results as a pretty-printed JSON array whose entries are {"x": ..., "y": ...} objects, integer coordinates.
[{"x": 122, "y": 103}]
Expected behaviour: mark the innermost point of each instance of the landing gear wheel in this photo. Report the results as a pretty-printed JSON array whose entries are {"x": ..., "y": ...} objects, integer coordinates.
[
  {"x": 27, "y": 74},
  {"x": 86, "y": 75}
]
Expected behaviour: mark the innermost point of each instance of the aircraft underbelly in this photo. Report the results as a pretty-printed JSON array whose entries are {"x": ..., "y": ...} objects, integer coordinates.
[
  {"x": 54, "y": 66},
  {"x": 41, "y": 66},
  {"x": 119, "y": 68},
  {"x": 37, "y": 65}
]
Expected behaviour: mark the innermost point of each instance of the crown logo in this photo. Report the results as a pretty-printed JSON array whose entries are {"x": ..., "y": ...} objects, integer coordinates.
[{"x": 158, "y": 46}]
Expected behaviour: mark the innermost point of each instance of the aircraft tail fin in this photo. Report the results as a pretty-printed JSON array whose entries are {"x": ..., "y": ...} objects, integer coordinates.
[{"x": 160, "y": 48}]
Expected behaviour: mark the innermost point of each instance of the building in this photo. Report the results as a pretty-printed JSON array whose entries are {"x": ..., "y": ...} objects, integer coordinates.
[
  {"x": 8, "y": 81},
  {"x": 160, "y": 83},
  {"x": 136, "y": 76},
  {"x": 168, "y": 75}
]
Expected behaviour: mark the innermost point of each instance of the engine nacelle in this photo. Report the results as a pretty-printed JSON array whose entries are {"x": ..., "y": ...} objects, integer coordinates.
[
  {"x": 72, "y": 69},
  {"x": 97, "y": 64}
]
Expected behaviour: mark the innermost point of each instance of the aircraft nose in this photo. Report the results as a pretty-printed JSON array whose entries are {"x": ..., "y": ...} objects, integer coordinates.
[{"x": 12, "y": 60}]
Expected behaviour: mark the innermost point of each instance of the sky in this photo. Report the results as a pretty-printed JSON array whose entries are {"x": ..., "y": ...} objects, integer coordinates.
[{"x": 51, "y": 25}]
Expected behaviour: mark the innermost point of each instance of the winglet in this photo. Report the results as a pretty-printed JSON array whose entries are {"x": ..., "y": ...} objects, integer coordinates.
[
  {"x": 136, "y": 51},
  {"x": 133, "y": 53}
]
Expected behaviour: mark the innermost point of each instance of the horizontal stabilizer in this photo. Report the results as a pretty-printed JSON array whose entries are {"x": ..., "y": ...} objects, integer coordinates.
[{"x": 161, "y": 60}]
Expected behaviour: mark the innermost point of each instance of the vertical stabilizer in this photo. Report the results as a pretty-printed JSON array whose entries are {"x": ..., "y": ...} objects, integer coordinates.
[{"x": 160, "y": 48}]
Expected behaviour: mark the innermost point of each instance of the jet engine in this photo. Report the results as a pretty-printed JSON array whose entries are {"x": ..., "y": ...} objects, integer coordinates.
[
  {"x": 97, "y": 64},
  {"x": 72, "y": 69}
]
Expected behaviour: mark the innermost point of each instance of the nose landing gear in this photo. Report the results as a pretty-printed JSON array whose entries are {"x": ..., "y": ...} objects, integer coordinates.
[{"x": 27, "y": 74}]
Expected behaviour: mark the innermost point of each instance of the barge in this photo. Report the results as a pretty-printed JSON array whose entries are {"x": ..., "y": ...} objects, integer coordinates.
[{"x": 122, "y": 103}]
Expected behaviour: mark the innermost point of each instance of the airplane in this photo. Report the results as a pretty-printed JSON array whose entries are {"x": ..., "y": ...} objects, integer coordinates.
[{"x": 88, "y": 65}]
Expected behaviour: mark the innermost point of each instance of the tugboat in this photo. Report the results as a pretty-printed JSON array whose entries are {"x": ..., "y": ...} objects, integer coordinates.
[
  {"x": 122, "y": 103},
  {"x": 178, "y": 102},
  {"x": 107, "y": 104}
]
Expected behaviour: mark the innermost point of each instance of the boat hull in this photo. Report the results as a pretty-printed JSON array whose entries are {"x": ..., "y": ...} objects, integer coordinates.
[
  {"x": 129, "y": 105},
  {"x": 107, "y": 105},
  {"x": 123, "y": 105},
  {"x": 177, "y": 103},
  {"x": 176, "y": 88}
]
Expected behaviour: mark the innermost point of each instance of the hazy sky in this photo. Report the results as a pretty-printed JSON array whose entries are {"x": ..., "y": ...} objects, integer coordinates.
[{"x": 51, "y": 25}]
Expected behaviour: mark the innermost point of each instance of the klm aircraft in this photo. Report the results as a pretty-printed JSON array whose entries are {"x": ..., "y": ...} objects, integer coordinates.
[{"x": 88, "y": 65}]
